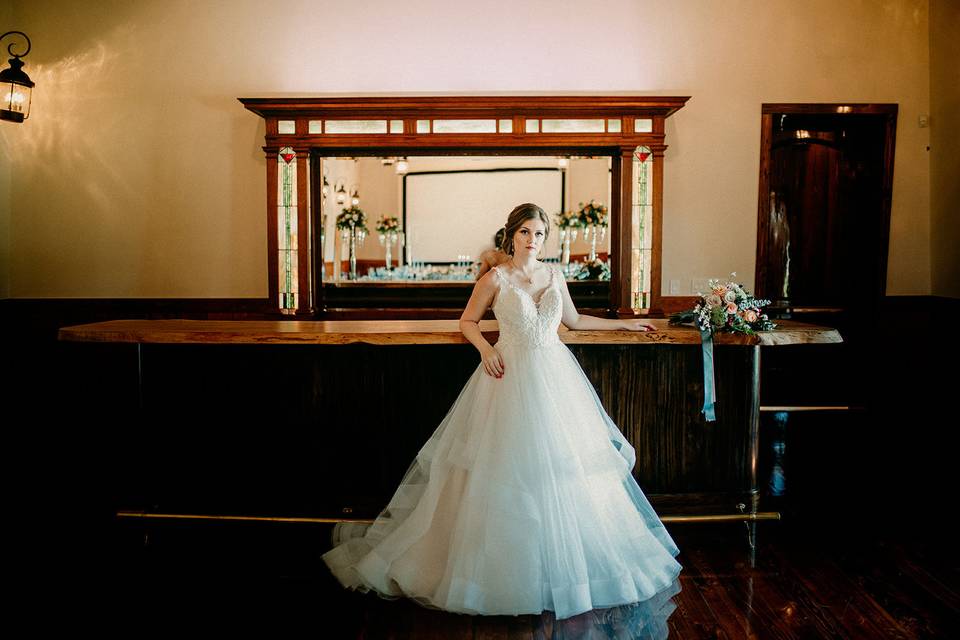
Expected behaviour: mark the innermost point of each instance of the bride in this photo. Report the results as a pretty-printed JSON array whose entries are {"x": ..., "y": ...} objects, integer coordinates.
[{"x": 523, "y": 499}]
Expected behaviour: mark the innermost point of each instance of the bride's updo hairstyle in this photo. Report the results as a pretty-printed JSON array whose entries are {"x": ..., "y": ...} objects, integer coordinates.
[{"x": 520, "y": 214}]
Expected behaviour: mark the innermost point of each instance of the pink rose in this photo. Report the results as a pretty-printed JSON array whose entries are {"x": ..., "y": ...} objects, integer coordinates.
[
  {"x": 731, "y": 307},
  {"x": 750, "y": 315}
]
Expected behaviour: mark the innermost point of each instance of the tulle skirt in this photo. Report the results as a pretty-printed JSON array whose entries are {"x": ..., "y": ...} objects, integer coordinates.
[{"x": 522, "y": 501}]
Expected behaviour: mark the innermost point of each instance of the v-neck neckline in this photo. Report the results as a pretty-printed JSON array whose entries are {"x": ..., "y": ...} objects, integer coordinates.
[{"x": 510, "y": 282}]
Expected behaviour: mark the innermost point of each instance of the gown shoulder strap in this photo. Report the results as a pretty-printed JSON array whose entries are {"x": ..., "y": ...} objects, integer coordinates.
[{"x": 499, "y": 279}]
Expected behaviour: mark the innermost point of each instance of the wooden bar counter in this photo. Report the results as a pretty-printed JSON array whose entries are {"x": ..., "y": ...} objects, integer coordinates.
[
  {"x": 317, "y": 421},
  {"x": 391, "y": 332}
]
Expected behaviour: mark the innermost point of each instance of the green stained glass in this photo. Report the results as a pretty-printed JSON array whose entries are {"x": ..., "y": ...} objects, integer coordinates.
[
  {"x": 287, "y": 228},
  {"x": 642, "y": 232}
]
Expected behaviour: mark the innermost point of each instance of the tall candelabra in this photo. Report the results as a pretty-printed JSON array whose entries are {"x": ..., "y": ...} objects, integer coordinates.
[{"x": 353, "y": 231}]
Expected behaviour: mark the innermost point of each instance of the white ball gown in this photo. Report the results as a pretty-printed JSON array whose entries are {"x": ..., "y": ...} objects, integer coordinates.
[{"x": 522, "y": 501}]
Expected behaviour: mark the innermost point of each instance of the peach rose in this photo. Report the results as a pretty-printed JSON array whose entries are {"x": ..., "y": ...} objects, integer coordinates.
[
  {"x": 750, "y": 315},
  {"x": 731, "y": 307}
]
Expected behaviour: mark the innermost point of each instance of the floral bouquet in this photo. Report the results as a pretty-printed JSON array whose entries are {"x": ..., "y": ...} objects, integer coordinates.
[
  {"x": 729, "y": 308},
  {"x": 388, "y": 224},
  {"x": 352, "y": 217},
  {"x": 593, "y": 213},
  {"x": 595, "y": 269},
  {"x": 568, "y": 220},
  {"x": 726, "y": 308}
]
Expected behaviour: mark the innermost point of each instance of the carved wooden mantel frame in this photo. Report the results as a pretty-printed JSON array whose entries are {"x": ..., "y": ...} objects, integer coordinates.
[{"x": 305, "y": 131}]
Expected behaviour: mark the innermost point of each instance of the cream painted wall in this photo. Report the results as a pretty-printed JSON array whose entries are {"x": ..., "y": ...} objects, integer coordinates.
[
  {"x": 945, "y": 146},
  {"x": 139, "y": 173},
  {"x": 6, "y": 18}
]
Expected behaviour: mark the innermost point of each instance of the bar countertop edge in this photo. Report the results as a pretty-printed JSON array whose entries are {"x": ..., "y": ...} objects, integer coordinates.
[{"x": 398, "y": 332}]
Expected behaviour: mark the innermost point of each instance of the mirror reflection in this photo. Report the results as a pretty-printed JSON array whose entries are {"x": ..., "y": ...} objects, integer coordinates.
[{"x": 435, "y": 218}]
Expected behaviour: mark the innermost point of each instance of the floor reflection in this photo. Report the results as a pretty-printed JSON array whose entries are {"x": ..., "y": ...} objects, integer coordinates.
[{"x": 640, "y": 620}]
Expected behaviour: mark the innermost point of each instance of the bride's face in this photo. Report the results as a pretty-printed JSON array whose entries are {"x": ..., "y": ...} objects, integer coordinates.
[{"x": 528, "y": 239}]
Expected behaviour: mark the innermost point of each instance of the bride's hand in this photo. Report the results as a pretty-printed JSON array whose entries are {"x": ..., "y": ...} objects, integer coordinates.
[
  {"x": 638, "y": 325},
  {"x": 493, "y": 362}
]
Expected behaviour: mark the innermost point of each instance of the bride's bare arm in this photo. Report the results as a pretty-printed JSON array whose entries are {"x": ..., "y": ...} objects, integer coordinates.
[
  {"x": 573, "y": 319},
  {"x": 480, "y": 300}
]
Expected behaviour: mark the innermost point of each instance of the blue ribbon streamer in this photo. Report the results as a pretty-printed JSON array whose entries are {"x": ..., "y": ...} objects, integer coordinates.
[{"x": 709, "y": 392}]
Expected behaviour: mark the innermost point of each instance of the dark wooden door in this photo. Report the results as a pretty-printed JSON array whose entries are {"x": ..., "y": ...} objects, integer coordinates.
[{"x": 824, "y": 210}]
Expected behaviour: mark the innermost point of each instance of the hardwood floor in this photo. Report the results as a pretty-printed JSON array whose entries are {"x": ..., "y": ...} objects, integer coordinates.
[{"x": 805, "y": 579}]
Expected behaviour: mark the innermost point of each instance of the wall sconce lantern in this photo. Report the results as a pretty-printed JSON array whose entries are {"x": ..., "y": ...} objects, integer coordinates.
[
  {"x": 341, "y": 193},
  {"x": 16, "y": 87},
  {"x": 355, "y": 197}
]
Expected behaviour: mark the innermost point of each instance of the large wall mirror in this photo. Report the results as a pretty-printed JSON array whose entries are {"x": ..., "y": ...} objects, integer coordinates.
[{"x": 432, "y": 179}]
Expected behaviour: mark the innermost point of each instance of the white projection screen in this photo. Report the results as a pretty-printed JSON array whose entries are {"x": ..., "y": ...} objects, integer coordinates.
[{"x": 458, "y": 212}]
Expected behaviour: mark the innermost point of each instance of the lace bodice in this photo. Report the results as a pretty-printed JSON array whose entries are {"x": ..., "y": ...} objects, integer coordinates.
[{"x": 524, "y": 321}]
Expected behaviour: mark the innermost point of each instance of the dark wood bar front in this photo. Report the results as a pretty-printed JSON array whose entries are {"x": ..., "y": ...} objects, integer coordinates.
[{"x": 318, "y": 420}]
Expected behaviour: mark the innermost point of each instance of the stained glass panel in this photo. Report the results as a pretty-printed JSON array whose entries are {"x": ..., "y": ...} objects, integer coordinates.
[
  {"x": 287, "y": 229},
  {"x": 464, "y": 126},
  {"x": 308, "y": 213},
  {"x": 573, "y": 126},
  {"x": 642, "y": 227},
  {"x": 356, "y": 126}
]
